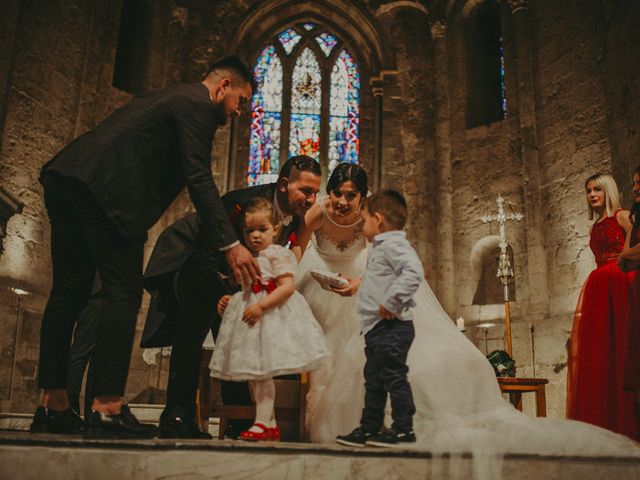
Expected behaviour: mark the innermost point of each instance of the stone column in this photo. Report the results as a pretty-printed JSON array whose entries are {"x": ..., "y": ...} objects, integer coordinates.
[
  {"x": 377, "y": 90},
  {"x": 531, "y": 171},
  {"x": 444, "y": 268}
]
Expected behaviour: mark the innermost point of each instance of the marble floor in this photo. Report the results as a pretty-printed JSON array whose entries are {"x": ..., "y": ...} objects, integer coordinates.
[{"x": 24, "y": 456}]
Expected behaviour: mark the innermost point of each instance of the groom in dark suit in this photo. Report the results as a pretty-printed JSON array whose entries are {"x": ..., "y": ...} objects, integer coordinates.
[
  {"x": 102, "y": 193},
  {"x": 185, "y": 287}
]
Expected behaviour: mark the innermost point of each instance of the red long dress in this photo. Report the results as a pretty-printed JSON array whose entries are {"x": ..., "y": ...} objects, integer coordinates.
[
  {"x": 632, "y": 361},
  {"x": 598, "y": 342}
]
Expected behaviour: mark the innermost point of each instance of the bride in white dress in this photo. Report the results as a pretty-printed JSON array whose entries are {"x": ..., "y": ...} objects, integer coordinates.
[{"x": 458, "y": 401}]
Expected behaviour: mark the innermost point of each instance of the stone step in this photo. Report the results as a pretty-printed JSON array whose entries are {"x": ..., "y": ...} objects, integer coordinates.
[{"x": 25, "y": 457}]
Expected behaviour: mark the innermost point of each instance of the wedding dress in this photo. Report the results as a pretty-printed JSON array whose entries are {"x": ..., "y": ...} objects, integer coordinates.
[{"x": 458, "y": 401}]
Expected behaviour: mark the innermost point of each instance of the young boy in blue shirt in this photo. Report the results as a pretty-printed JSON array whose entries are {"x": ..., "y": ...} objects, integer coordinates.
[{"x": 385, "y": 297}]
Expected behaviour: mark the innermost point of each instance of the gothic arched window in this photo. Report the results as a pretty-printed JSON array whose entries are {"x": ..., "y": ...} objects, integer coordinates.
[
  {"x": 486, "y": 100},
  {"x": 307, "y": 102}
]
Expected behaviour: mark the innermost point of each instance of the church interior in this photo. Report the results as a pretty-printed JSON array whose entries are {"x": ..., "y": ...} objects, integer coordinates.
[{"x": 452, "y": 102}]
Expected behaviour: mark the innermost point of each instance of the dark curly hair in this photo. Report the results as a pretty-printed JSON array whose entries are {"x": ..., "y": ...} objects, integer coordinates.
[
  {"x": 346, "y": 172},
  {"x": 635, "y": 209}
]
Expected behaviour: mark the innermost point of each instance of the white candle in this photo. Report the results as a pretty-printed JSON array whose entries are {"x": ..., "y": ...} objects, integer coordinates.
[{"x": 460, "y": 323}]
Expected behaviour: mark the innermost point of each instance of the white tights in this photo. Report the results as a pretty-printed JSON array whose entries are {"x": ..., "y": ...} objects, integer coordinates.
[{"x": 264, "y": 392}]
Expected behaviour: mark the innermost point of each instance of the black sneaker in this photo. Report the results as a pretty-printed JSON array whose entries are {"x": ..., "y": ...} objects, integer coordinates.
[
  {"x": 357, "y": 438},
  {"x": 391, "y": 438},
  {"x": 176, "y": 424},
  {"x": 67, "y": 422},
  {"x": 123, "y": 425}
]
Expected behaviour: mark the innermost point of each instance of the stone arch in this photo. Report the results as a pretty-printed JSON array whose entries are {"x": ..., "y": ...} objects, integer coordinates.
[
  {"x": 479, "y": 261},
  {"x": 358, "y": 29},
  {"x": 360, "y": 33}
]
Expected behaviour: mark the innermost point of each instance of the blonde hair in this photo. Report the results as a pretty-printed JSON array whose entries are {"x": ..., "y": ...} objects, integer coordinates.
[{"x": 611, "y": 194}]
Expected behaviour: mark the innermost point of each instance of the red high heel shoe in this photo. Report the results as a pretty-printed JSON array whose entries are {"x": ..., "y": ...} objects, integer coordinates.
[
  {"x": 275, "y": 434},
  {"x": 265, "y": 435}
]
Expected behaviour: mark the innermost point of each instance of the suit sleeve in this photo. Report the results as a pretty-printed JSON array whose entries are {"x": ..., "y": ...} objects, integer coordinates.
[{"x": 196, "y": 128}]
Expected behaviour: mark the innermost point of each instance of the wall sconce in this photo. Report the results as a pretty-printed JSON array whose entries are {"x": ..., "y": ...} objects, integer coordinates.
[{"x": 485, "y": 328}]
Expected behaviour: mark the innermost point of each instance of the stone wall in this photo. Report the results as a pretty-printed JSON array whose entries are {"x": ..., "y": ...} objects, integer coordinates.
[{"x": 573, "y": 103}]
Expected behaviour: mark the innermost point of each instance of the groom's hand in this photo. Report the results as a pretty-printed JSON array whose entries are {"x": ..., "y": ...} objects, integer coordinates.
[
  {"x": 351, "y": 289},
  {"x": 244, "y": 266}
]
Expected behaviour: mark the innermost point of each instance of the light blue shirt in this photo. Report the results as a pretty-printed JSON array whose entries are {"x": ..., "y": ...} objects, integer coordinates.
[{"x": 392, "y": 277}]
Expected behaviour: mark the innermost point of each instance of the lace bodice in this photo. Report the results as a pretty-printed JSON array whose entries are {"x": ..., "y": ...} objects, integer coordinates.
[
  {"x": 325, "y": 241},
  {"x": 607, "y": 240}
]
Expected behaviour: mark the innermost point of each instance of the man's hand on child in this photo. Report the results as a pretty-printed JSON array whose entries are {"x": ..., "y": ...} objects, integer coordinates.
[
  {"x": 351, "y": 289},
  {"x": 223, "y": 303},
  {"x": 252, "y": 314},
  {"x": 386, "y": 314}
]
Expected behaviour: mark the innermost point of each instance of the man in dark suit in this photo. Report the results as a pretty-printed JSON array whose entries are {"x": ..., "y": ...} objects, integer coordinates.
[
  {"x": 102, "y": 193},
  {"x": 185, "y": 287}
]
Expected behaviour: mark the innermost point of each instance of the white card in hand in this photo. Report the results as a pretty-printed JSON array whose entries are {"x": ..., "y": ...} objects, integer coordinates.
[{"x": 329, "y": 279}]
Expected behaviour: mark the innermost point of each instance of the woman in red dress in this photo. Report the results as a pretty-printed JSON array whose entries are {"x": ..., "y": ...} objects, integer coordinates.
[
  {"x": 630, "y": 260},
  {"x": 598, "y": 339}
]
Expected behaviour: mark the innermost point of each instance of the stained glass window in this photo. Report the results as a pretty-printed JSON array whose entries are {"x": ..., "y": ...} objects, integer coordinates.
[
  {"x": 326, "y": 41},
  {"x": 304, "y": 72},
  {"x": 503, "y": 96},
  {"x": 289, "y": 39},
  {"x": 304, "y": 134},
  {"x": 266, "y": 112},
  {"x": 344, "y": 143}
]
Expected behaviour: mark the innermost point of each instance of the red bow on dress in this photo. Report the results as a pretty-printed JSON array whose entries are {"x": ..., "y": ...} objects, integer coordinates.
[
  {"x": 293, "y": 240},
  {"x": 268, "y": 287}
]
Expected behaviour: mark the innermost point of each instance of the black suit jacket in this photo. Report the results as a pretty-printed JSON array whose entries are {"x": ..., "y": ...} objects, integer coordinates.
[
  {"x": 139, "y": 158},
  {"x": 175, "y": 246}
]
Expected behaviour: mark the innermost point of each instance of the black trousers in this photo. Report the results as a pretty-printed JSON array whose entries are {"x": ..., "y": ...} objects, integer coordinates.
[
  {"x": 84, "y": 342},
  {"x": 83, "y": 242},
  {"x": 198, "y": 288},
  {"x": 385, "y": 373}
]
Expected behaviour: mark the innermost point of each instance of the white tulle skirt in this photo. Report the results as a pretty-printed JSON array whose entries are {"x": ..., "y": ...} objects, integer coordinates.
[{"x": 458, "y": 401}]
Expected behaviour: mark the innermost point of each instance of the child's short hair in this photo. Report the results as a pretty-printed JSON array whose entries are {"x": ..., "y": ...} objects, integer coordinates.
[
  {"x": 259, "y": 204},
  {"x": 391, "y": 204}
]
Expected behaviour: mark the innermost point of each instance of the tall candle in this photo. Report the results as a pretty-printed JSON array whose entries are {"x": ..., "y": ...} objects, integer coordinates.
[{"x": 460, "y": 323}]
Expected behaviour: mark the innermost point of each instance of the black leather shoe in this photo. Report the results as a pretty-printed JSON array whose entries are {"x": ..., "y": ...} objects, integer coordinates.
[
  {"x": 123, "y": 425},
  {"x": 66, "y": 422},
  {"x": 177, "y": 424}
]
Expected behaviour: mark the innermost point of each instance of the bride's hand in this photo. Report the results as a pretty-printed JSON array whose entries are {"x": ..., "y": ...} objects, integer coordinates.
[{"x": 349, "y": 291}]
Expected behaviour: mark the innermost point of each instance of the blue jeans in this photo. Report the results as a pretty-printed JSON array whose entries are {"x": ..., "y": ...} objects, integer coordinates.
[{"x": 385, "y": 372}]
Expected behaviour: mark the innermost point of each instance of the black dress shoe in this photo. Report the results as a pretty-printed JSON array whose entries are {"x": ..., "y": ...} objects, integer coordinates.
[
  {"x": 122, "y": 425},
  {"x": 66, "y": 422},
  {"x": 176, "y": 424}
]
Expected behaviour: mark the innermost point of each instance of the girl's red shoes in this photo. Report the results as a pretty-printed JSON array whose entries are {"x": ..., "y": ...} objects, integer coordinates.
[{"x": 266, "y": 435}]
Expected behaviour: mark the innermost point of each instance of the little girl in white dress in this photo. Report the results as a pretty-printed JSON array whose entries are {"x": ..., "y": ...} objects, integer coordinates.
[{"x": 268, "y": 329}]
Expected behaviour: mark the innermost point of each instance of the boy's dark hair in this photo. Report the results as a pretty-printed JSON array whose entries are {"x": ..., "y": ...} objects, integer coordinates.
[
  {"x": 259, "y": 204},
  {"x": 390, "y": 204},
  {"x": 299, "y": 163},
  {"x": 234, "y": 67},
  {"x": 346, "y": 172}
]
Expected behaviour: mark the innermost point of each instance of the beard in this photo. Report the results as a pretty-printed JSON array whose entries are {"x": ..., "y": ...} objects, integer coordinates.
[{"x": 221, "y": 115}]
